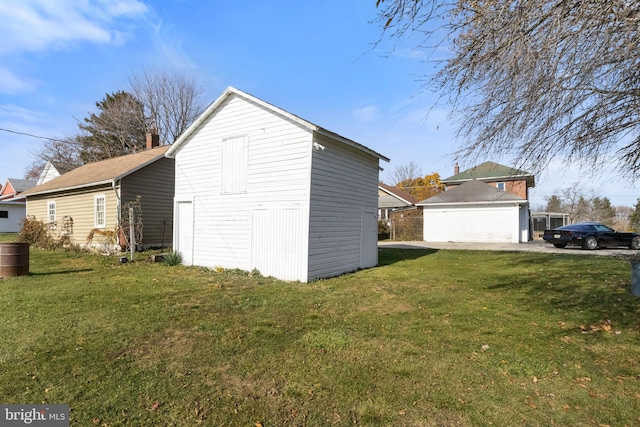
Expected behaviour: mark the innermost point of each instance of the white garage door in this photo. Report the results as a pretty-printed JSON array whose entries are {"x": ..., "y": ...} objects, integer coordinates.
[{"x": 472, "y": 224}]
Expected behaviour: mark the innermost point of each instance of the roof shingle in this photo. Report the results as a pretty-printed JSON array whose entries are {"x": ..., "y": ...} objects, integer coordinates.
[
  {"x": 472, "y": 191},
  {"x": 100, "y": 172}
]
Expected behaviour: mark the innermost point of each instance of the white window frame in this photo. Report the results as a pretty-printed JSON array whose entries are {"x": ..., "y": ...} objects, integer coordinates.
[
  {"x": 51, "y": 213},
  {"x": 96, "y": 217},
  {"x": 501, "y": 185},
  {"x": 235, "y": 165}
]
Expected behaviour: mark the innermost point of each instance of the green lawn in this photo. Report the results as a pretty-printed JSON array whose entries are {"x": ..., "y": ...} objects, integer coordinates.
[{"x": 430, "y": 338}]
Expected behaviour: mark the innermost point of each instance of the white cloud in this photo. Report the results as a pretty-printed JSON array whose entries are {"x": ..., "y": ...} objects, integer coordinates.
[
  {"x": 38, "y": 25},
  {"x": 11, "y": 84},
  {"x": 366, "y": 114},
  {"x": 10, "y": 112}
]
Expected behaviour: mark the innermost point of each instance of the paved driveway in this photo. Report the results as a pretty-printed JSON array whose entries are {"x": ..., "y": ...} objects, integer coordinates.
[{"x": 533, "y": 246}]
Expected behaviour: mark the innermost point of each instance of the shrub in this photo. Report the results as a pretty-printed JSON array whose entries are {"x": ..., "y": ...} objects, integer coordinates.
[{"x": 38, "y": 235}]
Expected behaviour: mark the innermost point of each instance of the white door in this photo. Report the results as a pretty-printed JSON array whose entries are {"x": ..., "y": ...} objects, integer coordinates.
[
  {"x": 184, "y": 231},
  {"x": 369, "y": 239},
  {"x": 278, "y": 243}
]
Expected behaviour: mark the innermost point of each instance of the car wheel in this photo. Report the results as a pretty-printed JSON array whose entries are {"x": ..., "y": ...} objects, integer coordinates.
[
  {"x": 635, "y": 243},
  {"x": 560, "y": 245},
  {"x": 590, "y": 243}
]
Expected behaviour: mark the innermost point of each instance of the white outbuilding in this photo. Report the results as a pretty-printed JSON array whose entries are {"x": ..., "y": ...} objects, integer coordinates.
[
  {"x": 476, "y": 212},
  {"x": 258, "y": 188}
]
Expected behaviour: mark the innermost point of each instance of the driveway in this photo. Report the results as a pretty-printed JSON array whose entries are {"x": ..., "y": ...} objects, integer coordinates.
[{"x": 532, "y": 246}]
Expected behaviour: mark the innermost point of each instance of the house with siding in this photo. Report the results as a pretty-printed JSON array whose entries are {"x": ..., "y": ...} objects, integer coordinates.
[
  {"x": 90, "y": 200},
  {"x": 392, "y": 199},
  {"x": 511, "y": 180},
  {"x": 12, "y": 204},
  {"x": 12, "y": 213},
  {"x": 257, "y": 187}
]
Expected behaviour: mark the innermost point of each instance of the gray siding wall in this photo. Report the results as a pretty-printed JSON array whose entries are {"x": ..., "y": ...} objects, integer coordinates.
[
  {"x": 155, "y": 184},
  {"x": 344, "y": 185}
]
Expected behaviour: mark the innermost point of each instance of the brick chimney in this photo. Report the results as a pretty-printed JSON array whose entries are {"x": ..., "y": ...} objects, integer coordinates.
[
  {"x": 456, "y": 169},
  {"x": 153, "y": 140}
]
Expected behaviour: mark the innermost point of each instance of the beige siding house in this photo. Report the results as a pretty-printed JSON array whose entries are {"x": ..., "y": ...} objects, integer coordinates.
[{"x": 88, "y": 201}]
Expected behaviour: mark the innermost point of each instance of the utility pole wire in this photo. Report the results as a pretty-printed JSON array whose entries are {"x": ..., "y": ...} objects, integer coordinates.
[{"x": 31, "y": 135}]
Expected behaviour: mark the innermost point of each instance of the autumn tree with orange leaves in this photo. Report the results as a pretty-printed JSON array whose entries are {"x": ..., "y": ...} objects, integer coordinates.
[{"x": 422, "y": 187}]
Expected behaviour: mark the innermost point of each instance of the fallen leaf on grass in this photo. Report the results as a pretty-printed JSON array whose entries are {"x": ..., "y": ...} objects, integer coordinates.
[
  {"x": 155, "y": 405},
  {"x": 605, "y": 325}
]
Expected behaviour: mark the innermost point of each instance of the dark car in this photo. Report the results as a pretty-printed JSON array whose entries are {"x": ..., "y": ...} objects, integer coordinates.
[{"x": 590, "y": 235}]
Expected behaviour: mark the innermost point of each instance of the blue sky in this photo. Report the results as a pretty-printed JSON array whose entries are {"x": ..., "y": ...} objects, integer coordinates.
[{"x": 312, "y": 58}]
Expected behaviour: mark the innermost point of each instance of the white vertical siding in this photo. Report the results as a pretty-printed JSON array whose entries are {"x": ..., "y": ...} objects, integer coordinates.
[
  {"x": 183, "y": 233},
  {"x": 523, "y": 228},
  {"x": 235, "y": 155},
  {"x": 344, "y": 183},
  {"x": 277, "y": 249},
  {"x": 368, "y": 239},
  {"x": 278, "y": 156}
]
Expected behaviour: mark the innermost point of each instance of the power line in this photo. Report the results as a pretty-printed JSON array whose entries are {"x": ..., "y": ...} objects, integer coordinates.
[{"x": 30, "y": 135}]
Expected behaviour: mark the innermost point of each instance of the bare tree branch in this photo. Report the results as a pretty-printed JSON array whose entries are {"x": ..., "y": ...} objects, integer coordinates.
[
  {"x": 534, "y": 80},
  {"x": 172, "y": 101}
]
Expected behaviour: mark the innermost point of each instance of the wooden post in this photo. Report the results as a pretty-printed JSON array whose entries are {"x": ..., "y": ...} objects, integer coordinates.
[{"x": 132, "y": 233}]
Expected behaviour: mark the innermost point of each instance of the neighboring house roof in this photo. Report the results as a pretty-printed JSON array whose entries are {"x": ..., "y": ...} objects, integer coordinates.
[
  {"x": 48, "y": 173},
  {"x": 20, "y": 185},
  {"x": 394, "y": 197},
  {"x": 490, "y": 171},
  {"x": 231, "y": 91},
  {"x": 472, "y": 192},
  {"x": 15, "y": 186},
  {"x": 102, "y": 172}
]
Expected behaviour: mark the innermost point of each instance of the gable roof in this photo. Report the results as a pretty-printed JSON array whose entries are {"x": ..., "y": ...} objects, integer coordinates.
[
  {"x": 490, "y": 171},
  {"x": 18, "y": 185},
  {"x": 394, "y": 195},
  {"x": 231, "y": 91},
  {"x": 48, "y": 173},
  {"x": 472, "y": 192},
  {"x": 102, "y": 172}
]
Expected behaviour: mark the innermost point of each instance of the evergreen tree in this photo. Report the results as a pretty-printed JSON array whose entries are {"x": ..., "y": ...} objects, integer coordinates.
[{"x": 119, "y": 128}]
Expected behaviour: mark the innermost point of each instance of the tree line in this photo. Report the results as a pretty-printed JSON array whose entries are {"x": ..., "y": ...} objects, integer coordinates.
[{"x": 584, "y": 205}]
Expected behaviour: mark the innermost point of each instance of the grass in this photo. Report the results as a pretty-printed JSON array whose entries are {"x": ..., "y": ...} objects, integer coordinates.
[{"x": 430, "y": 338}]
